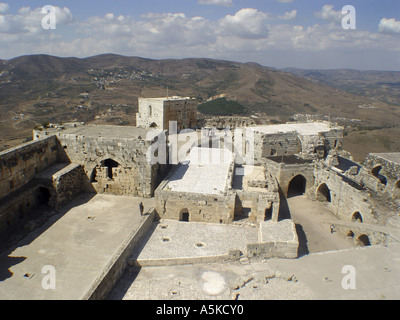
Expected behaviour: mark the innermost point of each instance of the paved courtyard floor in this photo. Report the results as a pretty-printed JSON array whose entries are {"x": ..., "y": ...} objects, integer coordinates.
[
  {"x": 77, "y": 243},
  {"x": 315, "y": 276}
]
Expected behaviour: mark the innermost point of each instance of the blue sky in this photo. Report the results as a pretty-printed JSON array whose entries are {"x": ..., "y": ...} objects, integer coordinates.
[{"x": 278, "y": 33}]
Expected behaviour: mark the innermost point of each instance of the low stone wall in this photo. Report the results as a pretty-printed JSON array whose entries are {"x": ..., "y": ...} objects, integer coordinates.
[
  {"x": 276, "y": 240},
  {"x": 111, "y": 274},
  {"x": 177, "y": 261},
  {"x": 67, "y": 184}
]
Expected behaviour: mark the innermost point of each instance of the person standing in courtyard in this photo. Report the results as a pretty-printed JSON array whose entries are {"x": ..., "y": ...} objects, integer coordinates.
[{"x": 141, "y": 208}]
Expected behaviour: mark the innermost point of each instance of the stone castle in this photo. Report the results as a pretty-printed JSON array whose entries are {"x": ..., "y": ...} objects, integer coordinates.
[{"x": 272, "y": 162}]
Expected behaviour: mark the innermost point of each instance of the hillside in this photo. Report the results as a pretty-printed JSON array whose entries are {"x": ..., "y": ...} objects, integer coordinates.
[{"x": 104, "y": 89}]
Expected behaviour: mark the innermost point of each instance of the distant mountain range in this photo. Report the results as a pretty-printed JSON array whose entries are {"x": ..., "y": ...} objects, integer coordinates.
[{"x": 104, "y": 88}]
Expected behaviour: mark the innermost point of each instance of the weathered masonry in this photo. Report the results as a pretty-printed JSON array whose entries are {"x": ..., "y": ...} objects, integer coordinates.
[
  {"x": 32, "y": 177},
  {"x": 312, "y": 139},
  {"x": 158, "y": 112},
  {"x": 114, "y": 158}
]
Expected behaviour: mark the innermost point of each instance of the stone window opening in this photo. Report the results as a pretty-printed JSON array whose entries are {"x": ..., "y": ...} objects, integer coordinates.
[
  {"x": 376, "y": 172},
  {"x": 357, "y": 217},
  {"x": 268, "y": 213},
  {"x": 363, "y": 241},
  {"x": 110, "y": 164},
  {"x": 184, "y": 215}
]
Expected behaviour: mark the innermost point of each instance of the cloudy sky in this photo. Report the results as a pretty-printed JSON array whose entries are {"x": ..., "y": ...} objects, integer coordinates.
[{"x": 277, "y": 33}]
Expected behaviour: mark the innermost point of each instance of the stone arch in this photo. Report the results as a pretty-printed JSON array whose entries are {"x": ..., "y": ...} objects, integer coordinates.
[
  {"x": 93, "y": 175},
  {"x": 363, "y": 241},
  {"x": 357, "y": 217},
  {"x": 153, "y": 125},
  {"x": 184, "y": 215},
  {"x": 324, "y": 193},
  {"x": 297, "y": 186}
]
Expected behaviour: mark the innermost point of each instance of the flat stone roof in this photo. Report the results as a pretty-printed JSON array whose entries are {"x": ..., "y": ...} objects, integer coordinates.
[
  {"x": 308, "y": 128},
  {"x": 105, "y": 131},
  {"x": 175, "y": 98},
  {"x": 292, "y": 159},
  {"x": 205, "y": 171},
  {"x": 393, "y": 156}
]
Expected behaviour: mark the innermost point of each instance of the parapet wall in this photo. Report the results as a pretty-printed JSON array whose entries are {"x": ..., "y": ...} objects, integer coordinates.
[{"x": 19, "y": 165}]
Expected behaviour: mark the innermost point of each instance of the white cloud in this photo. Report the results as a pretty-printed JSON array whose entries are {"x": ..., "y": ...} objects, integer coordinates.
[
  {"x": 4, "y": 7},
  {"x": 285, "y": 1},
  {"x": 246, "y": 23},
  {"x": 226, "y": 3},
  {"x": 389, "y": 26},
  {"x": 247, "y": 35},
  {"x": 328, "y": 13},
  {"x": 289, "y": 15}
]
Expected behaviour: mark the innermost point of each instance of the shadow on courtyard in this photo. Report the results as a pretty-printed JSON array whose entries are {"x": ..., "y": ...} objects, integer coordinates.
[{"x": 19, "y": 236}]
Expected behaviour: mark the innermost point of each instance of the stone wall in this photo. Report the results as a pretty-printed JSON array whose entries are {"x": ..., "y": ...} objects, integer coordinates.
[
  {"x": 112, "y": 165},
  {"x": 158, "y": 112},
  {"x": 285, "y": 173},
  {"x": 384, "y": 180},
  {"x": 199, "y": 207},
  {"x": 276, "y": 240},
  {"x": 67, "y": 184},
  {"x": 269, "y": 145},
  {"x": 346, "y": 198},
  {"x": 19, "y": 165},
  {"x": 20, "y": 192}
]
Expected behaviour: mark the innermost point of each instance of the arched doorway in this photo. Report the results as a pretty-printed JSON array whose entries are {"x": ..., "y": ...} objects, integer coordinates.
[
  {"x": 363, "y": 241},
  {"x": 110, "y": 164},
  {"x": 323, "y": 193},
  {"x": 377, "y": 173},
  {"x": 184, "y": 215},
  {"x": 297, "y": 186},
  {"x": 357, "y": 217}
]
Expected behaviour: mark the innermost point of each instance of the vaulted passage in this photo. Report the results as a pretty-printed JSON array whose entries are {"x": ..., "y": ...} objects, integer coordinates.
[
  {"x": 297, "y": 186},
  {"x": 323, "y": 193}
]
